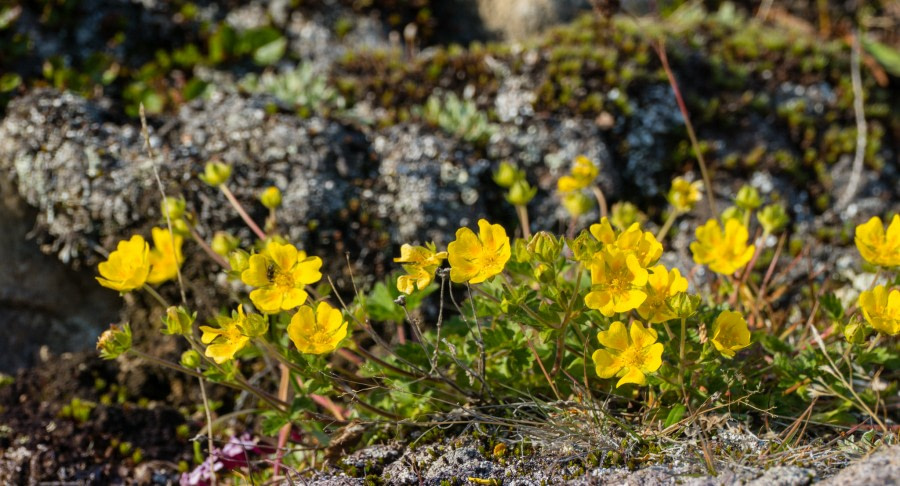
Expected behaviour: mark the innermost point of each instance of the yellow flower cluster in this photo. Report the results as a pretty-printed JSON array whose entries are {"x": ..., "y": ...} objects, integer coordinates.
[
  {"x": 725, "y": 251},
  {"x": 232, "y": 334},
  {"x": 582, "y": 175},
  {"x": 420, "y": 263},
  {"x": 877, "y": 245},
  {"x": 133, "y": 263},
  {"x": 319, "y": 331},
  {"x": 619, "y": 274},
  {"x": 684, "y": 195}
]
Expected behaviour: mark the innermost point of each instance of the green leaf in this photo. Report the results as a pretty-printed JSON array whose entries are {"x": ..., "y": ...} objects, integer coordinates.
[
  {"x": 9, "y": 82},
  {"x": 832, "y": 305},
  {"x": 887, "y": 56},
  {"x": 270, "y": 53},
  {"x": 222, "y": 43},
  {"x": 675, "y": 415},
  {"x": 380, "y": 304}
]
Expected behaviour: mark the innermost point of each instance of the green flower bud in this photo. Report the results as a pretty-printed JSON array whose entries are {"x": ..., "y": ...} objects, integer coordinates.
[
  {"x": 733, "y": 212},
  {"x": 216, "y": 173},
  {"x": 506, "y": 175},
  {"x": 584, "y": 246},
  {"x": 772, "y": 218},
  {"x": 577, "y": 203},
  {"x": 174, "y": 207},
  {"x": 520, "y": 252},
  {"x": 856, "y": 331},
  {"x": 114, "y": 341},
  {"x": 545, "y": 246},
  {"x": 239, "y": 260},
  {"x": 270, "y": 197},
  {"x": 191, "y": 359},
  {"x": 178, "y": 321},
  {"x": 683, "y": 304},
  {"x": 254, "y": 325},
  {"x": 180, "y": 227},
  {"x": 224, "y": 243},
  {"x": 748, "y": 198},
  {"x": 521, "y": 193},
  {"x": 624, "y": 214}
]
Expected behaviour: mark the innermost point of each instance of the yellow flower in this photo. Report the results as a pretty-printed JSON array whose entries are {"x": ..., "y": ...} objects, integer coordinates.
[
  {"x": 661, "y": 284},
  {"x": 730, "y": 333},
  {"x": 280, "y": 272},
  {"x": 630, "y": 355},
  {"x": 583, "y": 174},
  {"x": 724, "y": 251},
  {"x": 881, "y": 309},
  {"x": 232, "y": 334},
  {"x": 320, "y": 333},
  {"x": 164, "y": 259},
  {"x": 476, "y": 259},
  {"x": 126, "y": 268},
  {"x": 877, "y": 246},
  {"x": 617, "y": 282},
  {"x": 420, "y": 262},
  {"x": 684, "y": 195},
  {"x": 642, "y": 244}
]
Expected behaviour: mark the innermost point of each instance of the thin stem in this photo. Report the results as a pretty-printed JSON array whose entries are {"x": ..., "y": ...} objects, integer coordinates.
[
  {"x": 165, "y": 363},
  {"x": 522, "y": 212},
  {"x": 660, "y": 48},
  {"x": 667, "y": 225},
  {"x": 153, "y": 293},
  {"x": 209, "y": 251},
  {"x": 162, "y": 190},
  {"x": 681, "y": 359},
  {"x": 601, "y": 201},
  {"x": 209, "y": 421},
  {"x": 240, "y": 210}
]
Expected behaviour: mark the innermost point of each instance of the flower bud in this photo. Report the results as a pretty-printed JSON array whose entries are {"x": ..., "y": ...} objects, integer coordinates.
[
  {"x": 576, "y": 203},
  {"x": 180, "y": 227},
  {"x": 624, "y": 214},
  {"x": 173, "y": 207},
  {"x": 224, "y": 243},
  {"x": 270, "y": 197},
  {"x": 584, "y": 246},
  {"x": 772, "y": 218},
  {"x": 748, "y": 198},
  {"x": 178, "y": 321},
  {"x": 732, "y": 212},
  {"x": 191, "y": 359},
  {"x": 255, "y": 325},
  {"x": 856, "y": 331},
  {"x": 114, "y": 341},
  {"x": 216, "y": 173},
  {"x": 520, "y": 251},
  {"x": 521, "y": 193},
  {"x": 239, "y": 260},
  {"x": 545, "y": 246},
  {"x": 506, "y": 175},
  {"x": 683, "y": 304}
]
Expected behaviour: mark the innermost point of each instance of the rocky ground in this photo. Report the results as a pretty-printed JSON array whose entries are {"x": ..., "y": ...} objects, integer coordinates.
[{"x": 363, "y": 171}]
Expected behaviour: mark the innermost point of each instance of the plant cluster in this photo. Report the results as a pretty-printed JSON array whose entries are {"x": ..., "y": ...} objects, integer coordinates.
[{"x": 588, "y": 317}]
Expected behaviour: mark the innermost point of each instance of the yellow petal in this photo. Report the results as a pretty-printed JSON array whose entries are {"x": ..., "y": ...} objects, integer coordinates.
[
  {"x": 307, "y": 271},
  {"x": 293, "y": 298},
  {"x": 285, "y": 256},
  {"x": 605, "y": 363},
  {"x": 256, "y": 274},
  {"x": 615, "y": 337},
  {"x": 634, "y": 376},
  {"x": 267, "y": 300}
]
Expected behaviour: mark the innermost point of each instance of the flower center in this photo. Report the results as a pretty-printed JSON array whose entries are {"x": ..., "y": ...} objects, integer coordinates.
[{"x": 283, "y": 279}]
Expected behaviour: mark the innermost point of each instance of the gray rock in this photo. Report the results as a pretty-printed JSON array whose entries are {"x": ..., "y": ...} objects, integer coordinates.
[
  {"x": 784, "y": 476},
  {"x": 881, "y": 468},
  {"x": 42, "y": 302}
]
